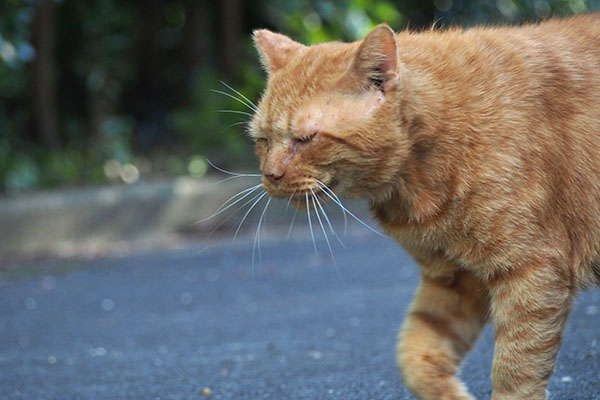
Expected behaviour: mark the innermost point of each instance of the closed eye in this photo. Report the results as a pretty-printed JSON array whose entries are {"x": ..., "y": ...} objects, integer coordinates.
[{"x": 305, "y": 139}]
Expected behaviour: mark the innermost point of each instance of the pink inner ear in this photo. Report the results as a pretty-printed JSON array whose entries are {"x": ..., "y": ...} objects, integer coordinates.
[
  {"x": 276, "y": 49},
  {"x": 389, "y": 63}
]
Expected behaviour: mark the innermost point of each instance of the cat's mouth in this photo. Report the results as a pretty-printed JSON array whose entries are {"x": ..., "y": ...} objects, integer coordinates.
[
  {"x": 307, "y": 195},
  {"x": 312, "y": 198},
  {"x": 306, "y": 201}
]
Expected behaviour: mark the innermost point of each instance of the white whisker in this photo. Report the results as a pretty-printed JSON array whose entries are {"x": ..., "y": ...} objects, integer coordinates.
[
  {"x": 235, "y": 112},
  {"x": 228, "y": 218},
  {"x": 312, "y": 235},
  {"x": 221, "y": 210},
  {"x": 198, "y": 252},
  {"x": 242, "y": 96},
  {"x": 340, "y": 202},
  {"x": 260, "y": 196},
  {"x": 352, "y": 215},
  {"x": 252, "y": 107},
  {"x": 333, "y": 232},
  {"x": 287, "y": 238},
  {"x": 228, "y": 172},
  {"x": 289, "y": 200},
  {"x": 232, "y": 177},
  {"x": 234, "y": 124},
  {"x": 257, "y": 236},
  {"x": 251, "y": 189},
  {"x": 324, "y": 233},
  {"x": 236, "y": 210}
]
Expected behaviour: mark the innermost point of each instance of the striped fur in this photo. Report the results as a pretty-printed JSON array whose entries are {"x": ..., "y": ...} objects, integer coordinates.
[{"x": 479, "y": 152}]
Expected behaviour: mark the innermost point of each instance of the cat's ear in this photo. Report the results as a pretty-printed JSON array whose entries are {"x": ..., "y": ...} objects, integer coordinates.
[
  {"x": 376, "y": 61},
  {"x": 275, "y": 49}
]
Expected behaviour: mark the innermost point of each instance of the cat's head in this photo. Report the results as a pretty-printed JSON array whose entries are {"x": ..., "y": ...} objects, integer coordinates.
[{"x": 329, "y": 116}]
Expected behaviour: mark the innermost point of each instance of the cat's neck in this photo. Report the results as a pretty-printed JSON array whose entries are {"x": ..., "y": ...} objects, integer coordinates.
[{"x": 429, "y": 180}]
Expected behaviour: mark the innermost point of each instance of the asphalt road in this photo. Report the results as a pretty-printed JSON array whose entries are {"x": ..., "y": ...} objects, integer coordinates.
[{"x": 166, "y": 325}]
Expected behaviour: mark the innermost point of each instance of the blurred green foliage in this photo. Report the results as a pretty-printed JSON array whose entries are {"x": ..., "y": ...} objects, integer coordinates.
[{"x": 133, "y": 79}]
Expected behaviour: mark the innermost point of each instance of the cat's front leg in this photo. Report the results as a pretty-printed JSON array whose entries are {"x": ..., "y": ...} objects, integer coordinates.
[
  {"x": 529, "y": 309},
  {"x": 443, "y": 322}
]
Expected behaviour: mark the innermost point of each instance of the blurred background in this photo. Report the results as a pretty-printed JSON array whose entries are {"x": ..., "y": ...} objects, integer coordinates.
[
  {"x": 100, "y": 91},
  {"x": 112, "y": 284}
]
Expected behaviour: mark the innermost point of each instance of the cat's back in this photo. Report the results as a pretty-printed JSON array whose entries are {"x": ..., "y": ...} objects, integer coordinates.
[
  {"x": 573, "y": 41},
  {"x": 552, "y": 67},
  {"x": 543, "y": 80},
  {"x": 517, "y": 79},
  {"x": 534, "y": 70},
  {"x": 572, "y": 34},
  {"x": 581, "y": 28},
  {"x": 519, "y": 108}
]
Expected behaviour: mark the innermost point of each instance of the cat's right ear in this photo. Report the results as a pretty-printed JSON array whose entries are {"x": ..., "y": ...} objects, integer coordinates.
[
  {"x": 376, "y": 61},
  {"x": 275, "y": 49}
]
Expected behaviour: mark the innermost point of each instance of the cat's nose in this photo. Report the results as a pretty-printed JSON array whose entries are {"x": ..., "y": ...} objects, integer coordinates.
[{"x": 274, "y": 177}]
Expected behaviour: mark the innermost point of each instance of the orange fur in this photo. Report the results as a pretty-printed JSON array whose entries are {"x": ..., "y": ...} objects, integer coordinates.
[{"x": 479, "y": 152}]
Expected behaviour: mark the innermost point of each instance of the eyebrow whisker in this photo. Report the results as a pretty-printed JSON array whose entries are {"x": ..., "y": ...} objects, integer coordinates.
[
  {"x": 251, "y": 107},
  {"x": 245, "y": 122},
  {"x": 241, "y": 95},
  {"x": 235, "y": 112}
]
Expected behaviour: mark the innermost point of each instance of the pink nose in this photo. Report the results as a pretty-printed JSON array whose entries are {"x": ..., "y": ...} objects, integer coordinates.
[{"x": 274, "y": 177}]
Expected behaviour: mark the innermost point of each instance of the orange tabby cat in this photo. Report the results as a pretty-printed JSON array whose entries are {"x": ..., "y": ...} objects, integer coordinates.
[{"x": 479, "y": 152}]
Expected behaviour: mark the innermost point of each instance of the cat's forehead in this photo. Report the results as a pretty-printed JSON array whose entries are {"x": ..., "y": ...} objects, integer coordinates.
[
  {"x": 308, "y": 74},
  {"x": 325, "y": 110},
  {"x": 308, "y": 86}
]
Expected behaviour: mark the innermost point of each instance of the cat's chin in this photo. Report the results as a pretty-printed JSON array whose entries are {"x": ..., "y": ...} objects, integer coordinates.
[
  {"x": 304, "y": 197},
  {"x": 276, "y": 193},
  {"x": 298, "y": 202}
]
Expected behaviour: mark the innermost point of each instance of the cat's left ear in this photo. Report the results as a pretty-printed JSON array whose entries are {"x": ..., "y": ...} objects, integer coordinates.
[
  {"x": 376, "y": 62},
  {"x": 275, "y": 49}
]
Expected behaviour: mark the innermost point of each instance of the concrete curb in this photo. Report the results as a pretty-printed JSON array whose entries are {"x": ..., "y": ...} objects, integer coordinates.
[
  {"x": 48, "y": 221},
  {"x": 82, "y": 221}
]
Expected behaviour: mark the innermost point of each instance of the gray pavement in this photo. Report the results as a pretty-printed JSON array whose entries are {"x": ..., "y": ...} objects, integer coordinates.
[{"x": 166, "y": 324}]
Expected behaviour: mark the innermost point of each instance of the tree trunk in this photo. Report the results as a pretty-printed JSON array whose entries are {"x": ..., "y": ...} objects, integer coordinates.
[
  {"x": 231, "y": 27},
  {"x": 45, "y": 114},
  {"x": 197, "y": 41}
]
